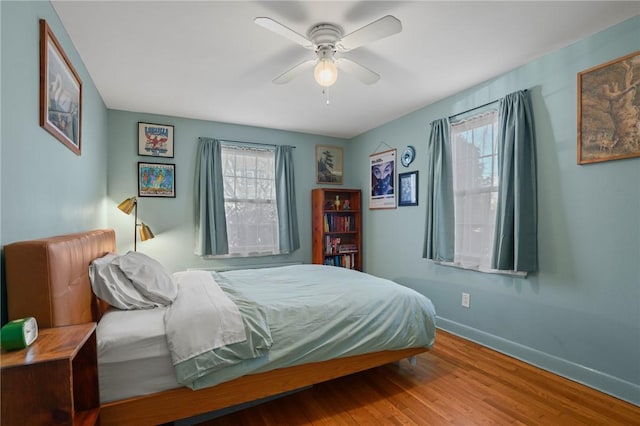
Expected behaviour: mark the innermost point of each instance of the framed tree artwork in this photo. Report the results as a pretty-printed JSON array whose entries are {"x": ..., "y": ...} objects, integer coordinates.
[
  {"x": 609, "y": 110},
  {"x": 329, "y": 164},
  {"x": 60, "y": 92}
]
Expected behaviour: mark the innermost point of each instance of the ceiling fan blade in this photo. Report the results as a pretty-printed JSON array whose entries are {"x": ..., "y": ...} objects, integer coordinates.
[
  {"x": 292, "y": 73},
  {"x": 383, "y": 27},
  {"x": 360, "y": 72},
  {"x": 280, "y": 29}
]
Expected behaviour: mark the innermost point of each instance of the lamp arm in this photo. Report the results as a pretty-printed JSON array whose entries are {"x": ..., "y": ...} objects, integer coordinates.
[{"x": 135, "y": 226}]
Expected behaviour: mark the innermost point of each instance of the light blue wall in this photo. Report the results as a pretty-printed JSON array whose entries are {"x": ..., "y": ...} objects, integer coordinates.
[
  {"x": 172, "y": 220},
  {"x": 46, "y": 189},
  {"x": 580, "y": 315}
]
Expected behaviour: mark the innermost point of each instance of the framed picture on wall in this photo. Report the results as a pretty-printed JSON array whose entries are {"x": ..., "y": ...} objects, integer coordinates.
[
  {"x": 329, "y": 164},
  {"x": 382, "y": 194},
  {"x": 408, "y": 183},
  {"x": 156, "y": 180},
  {"x": 60, "y": 92},
  {"x": 609, "y": 110},
  {"x": 155, "y": 140}
]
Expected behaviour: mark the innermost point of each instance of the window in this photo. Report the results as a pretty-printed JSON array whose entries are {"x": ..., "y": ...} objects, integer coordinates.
[
  {"x": 481, "y": 177},
  {"x": 250, "y": 200},
  {"x": 475, "y": 188}
]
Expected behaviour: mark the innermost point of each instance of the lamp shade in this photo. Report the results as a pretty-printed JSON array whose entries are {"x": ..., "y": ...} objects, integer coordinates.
[
  {"x": 128, "y": 205},
  {"x": 145, "y": 232},
  {"x": 325, "y": 72}
]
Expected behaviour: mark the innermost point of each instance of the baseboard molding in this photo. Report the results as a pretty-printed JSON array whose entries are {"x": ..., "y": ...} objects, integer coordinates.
[{"x": 603, "y": 382}]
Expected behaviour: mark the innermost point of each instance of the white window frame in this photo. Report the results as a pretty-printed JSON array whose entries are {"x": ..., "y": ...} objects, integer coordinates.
[
  {"x": 472, "y": 252},
  {"x": 242, "y": 185}
]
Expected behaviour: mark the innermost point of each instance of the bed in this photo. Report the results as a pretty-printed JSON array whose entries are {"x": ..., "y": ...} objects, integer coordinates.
[{"x": 49, "y": 279}]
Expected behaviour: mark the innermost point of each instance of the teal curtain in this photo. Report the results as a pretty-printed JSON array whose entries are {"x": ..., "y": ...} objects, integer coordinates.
[
  {"x": 515, "y": 244},
  {"x": 440, "y": 227},
  {"x": 211, "y": 223},
  {"x": 286, "y": 200}
]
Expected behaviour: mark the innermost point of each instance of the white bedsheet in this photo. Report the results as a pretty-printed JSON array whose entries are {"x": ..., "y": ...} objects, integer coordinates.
[
  {"x": 201, "y": 318},
  {"x": 133, "y": 358}
]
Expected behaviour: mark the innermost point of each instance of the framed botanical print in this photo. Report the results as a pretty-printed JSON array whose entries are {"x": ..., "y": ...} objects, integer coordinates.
[{"x": 60, "y": 92}]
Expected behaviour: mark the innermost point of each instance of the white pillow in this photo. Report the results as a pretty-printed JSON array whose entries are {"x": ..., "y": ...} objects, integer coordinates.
[
  {"x": 149, "y": 277},
  {"x": 110, "y": 284}
]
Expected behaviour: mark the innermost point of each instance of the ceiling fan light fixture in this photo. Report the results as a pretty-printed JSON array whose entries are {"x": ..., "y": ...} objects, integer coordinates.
[
  {"x": 325, "y": 72},
  {"x": 327, "y": 39}
]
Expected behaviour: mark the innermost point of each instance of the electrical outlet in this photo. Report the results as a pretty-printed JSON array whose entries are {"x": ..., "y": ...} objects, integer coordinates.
[{"x": 465, "y": 300}]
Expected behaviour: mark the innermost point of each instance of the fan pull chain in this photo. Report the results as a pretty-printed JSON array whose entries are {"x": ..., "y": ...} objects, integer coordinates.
[{"x": 325, "y": 92}]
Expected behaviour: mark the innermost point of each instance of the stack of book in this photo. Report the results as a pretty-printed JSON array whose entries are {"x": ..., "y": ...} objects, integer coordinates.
[
  {"x": 347, "y": 248},
  {"x": 332, "y": 245}
]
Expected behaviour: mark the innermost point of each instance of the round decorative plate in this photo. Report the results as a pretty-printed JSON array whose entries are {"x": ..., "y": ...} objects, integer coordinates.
[{"x": 408, "y": 155}]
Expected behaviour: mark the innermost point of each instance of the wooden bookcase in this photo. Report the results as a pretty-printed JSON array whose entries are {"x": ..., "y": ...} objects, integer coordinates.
[
  {"x": 54, "y": 381},
  {"x": 336, "y": 221}
]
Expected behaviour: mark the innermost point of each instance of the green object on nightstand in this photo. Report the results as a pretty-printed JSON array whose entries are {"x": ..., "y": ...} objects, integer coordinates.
[{"x": 19, "y": 334}]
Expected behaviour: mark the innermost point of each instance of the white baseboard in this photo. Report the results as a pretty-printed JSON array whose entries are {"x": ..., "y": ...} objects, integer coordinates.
[{"x": 603, "y": 382}]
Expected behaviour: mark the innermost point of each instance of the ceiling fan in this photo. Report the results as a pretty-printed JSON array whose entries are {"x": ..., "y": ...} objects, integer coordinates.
[{"x": 326, "y": 39}]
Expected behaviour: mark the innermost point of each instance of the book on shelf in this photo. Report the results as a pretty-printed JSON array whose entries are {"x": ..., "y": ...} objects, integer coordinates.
[
  {"x": 338, "y": 223},
  {"x": 343, "y": 260},
  {"x": 331, "y": 244}
]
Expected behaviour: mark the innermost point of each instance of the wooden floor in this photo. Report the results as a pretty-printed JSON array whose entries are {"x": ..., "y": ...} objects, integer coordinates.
[{"x": 456, "y": 383}]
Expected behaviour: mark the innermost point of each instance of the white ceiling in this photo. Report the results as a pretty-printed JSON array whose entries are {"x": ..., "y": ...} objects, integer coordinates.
[{"x": 208, "y": 60}]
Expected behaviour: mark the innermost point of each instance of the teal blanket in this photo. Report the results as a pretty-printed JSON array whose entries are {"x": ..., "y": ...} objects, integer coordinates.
[{"x": 315, "y": 313}]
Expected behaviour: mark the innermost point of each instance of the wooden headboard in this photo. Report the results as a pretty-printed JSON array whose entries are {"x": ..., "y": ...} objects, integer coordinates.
[{"x": 49, "y": 278}]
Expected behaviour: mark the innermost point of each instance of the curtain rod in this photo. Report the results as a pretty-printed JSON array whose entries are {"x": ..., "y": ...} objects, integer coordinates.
[
  {"x": 478, "y": 107},
  {"x": 473, "y": 109},
  {"x": 252, "y": 143}
]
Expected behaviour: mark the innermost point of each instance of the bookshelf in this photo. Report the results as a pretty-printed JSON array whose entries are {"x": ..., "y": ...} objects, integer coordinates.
[{"x": 336, "y": 220}]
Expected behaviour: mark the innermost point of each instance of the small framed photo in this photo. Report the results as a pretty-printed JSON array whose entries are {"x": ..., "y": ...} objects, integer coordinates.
[
  {"x": 329, "y": 164},
  {"x": 155, "y": 140},
  {"x": 408, "y": 189},
  {"x": 156, "y": 180},
  {"x": 60, "y": 92}
]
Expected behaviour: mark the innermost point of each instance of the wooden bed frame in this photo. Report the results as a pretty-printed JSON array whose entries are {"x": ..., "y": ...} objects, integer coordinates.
[{"x": 49, "y": 280}]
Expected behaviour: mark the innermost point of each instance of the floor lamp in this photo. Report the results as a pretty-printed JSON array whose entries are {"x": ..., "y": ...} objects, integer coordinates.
[{"x": 145, "y": 233}]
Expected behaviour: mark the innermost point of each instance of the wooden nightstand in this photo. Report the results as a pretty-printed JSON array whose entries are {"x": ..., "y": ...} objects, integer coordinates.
[{"x": 54, "y": 381}]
